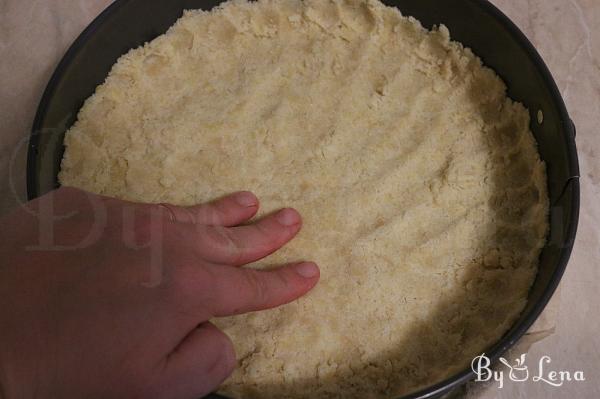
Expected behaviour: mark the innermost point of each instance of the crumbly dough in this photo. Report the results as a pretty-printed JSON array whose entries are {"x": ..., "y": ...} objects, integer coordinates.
[{"x": 423, "y": 196}]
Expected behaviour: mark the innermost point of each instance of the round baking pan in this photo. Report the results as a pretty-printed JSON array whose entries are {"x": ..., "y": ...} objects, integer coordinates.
[{"x": 127, "y": 24}]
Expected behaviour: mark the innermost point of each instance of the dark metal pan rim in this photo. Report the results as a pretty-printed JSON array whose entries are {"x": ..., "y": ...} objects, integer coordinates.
[{"x": 572, "y": 183}]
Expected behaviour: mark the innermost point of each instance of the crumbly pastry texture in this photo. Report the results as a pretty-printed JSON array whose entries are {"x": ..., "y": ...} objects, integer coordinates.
[{"x": 423, "y": 196}]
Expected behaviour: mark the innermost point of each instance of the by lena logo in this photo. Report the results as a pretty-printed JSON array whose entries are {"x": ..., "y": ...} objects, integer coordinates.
[{"x": 519, "y": 372}]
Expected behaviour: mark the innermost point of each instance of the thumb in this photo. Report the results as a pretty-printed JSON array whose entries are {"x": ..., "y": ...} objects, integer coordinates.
[{"x": 199, "y": 364}]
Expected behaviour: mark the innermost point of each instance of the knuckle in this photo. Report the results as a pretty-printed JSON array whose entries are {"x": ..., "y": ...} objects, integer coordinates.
[
  {"x": 227, "y": 242},
  {"x": 271, "y": 236},
  {"x": 263, "y": 230},
  {"x": 203, "y": 214},
  {"x": 282, "y": 279},
  {"x": 217, "y": 213},
  {"x": 258, "y": 286}
]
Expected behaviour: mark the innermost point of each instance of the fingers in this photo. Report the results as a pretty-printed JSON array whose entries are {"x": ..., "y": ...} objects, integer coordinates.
[
  {"x": 199, "y": 364},
  {"x": 227, "y": 211},
  {"x": 244, "y": 244},
  {"x": 237, "y": 291}
]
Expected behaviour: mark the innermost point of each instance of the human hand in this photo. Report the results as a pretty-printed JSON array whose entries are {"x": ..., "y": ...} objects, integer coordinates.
[{"x": 112, "y": 298}]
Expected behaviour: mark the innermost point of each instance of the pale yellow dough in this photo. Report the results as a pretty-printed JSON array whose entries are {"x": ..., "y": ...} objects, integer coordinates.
[{"x": 423, "y": 196}]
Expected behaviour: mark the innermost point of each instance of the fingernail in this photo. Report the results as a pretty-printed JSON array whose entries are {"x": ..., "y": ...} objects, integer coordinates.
[
  {"x": 307, "y": 270},
  {"x": 246, "y": 199},
  {"x": 288, "y": 217}
]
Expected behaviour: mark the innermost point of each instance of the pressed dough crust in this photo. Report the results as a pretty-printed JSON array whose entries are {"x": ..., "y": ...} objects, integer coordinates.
[{"x": 423, "y": 196}]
